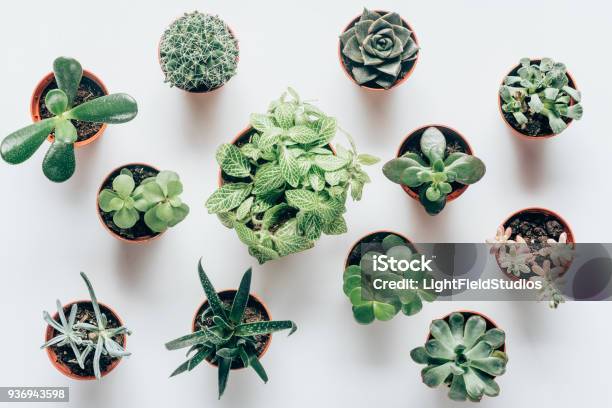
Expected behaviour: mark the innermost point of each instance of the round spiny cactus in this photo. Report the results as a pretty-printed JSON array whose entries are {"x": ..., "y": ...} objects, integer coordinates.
[{"x": 198, "y": 52}]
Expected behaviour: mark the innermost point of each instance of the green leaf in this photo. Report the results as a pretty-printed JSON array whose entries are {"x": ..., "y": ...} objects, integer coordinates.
[
  {"x": 274, "y": 215},
  {"x": 225, "y": 365},
  {"x": 364, "y": 313},
  {"x": 336, "y": 227},
  {"x": 179, "y": 214},
  {"x": 125, "y": 218},
  {"x": 367, "y": 159},
  {"x": 261, "y": 122},
  {"x": 123, "y": 185},
  {"x": 198, "y": 337},
  {"x": 268, "y": 178},
  {"x": 115, "y": 108},
  {"x": 105, "y": 198},
  {"x": 433, "y": 144},
  {"x": 440, "y": 330},
  {"x": 290, "y": 244},
  {"x": 56, "y": 101},
  {"x": 474, "y": 328},
  {"x": 21, "y": 144},
  {"x": 153, "y": 221},
  {"x": 59, "y": 162},
  {"x": 254, "y": 362},
  {"x": 241, "y": 298},
  {"x": 68, "y": 73},
  {"x": 164, "y": 212},
  {"x": 383, "y": 311},
  {"x": 330, "y": 162},
  {"x": 284, "y": 114},
  {"x": 457, "y": 390},
  {"x": 265, "y": 327},
  {"x": 289, "y": 167},
  {"x": 235, "y": 163},
  {"x": 213, "y": 298},
  {"x": 228, "y": 197},
  {"x": 309, "y": 224},
  {"x": 468, "y": 169},
  {"x": 316, "y": 177},
  {"x": 164, "y": 178},
  {"x": 152, "y": 192},
  {"x": 327, "y": 128},
  {"x": 435, "y": 375},
  {"x": 305, "y": 200},
  {"x": 244, "y": 209},
  {"x": 65, "y": 131},
  {"x": 302, "y": 134},
  {"x": 269, "y": 138}
]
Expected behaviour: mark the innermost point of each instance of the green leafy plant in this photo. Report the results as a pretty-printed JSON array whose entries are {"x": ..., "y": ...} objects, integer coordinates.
[
  {"x": 229, "y": 338},
  {"x": 464, "y": 355},
  {"x": 84, "y": 337},
  {"x": 283, "y": 185},
  {"x": 198, "y": 52},
  {"x": 59, "y": 162},
  {"x": 541, "y": 89},
  {"x": 157, "y": 197},
  {"x": 377, "y": 46},
  {"x": 433, "y": 177},
  {"x": 370, "y": 304}
]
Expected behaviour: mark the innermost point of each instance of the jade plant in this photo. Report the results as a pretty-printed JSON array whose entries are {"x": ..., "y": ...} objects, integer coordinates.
[
  {"x": 198, "y": 52},
  {"x": 59, "y": 162},
  {"x": 158, "y": 198},
  {"x": 230, "y": 338},
  {"x": 371, "y": 304},
  {"x": 464, "y": 355},
  {"x": 283, "y": 183},
  {"x": 85, "y": 336},
  {"x": 377, "y": 47},
  {"x": 541, "y": 90},
  {"x": 433, "y": 172}
]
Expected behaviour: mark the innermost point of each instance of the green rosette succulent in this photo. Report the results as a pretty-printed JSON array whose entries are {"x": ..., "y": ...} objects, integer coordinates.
[
  {"x": 463, "y": 355},
  {"x": 378, "y": 47}
]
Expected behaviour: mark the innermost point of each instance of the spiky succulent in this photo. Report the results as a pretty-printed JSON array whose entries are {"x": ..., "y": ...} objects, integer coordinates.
[
  {"x": 370, "y": 304},
  {"x": 433, "y": 173},
  {"x": 59, "y": 162},
  {"x": 229, "y": 338},
  {"x": 198, "y": 52},
  {"x": 378, "y": 46},
  {"x": 541, "y": 89},
  {"x": 158, "y": 198},
  {"x": 283, "y": 185},
  {"x": 84, "y": 337},
  {"x": 463, "y": 355}
]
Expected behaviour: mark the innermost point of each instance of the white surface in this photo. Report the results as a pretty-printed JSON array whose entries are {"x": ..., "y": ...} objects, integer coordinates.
[{"x": 51, "y": 232}]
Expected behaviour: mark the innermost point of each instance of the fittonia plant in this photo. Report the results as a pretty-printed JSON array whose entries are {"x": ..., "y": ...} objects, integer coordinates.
[
  {"x": 370, "y": 304},
  {"x": 229, "y": 338},
  {"x": 433, "y": 176},
  {"x": 464, "y": 355},
  {"x": 283, "y": 185},
  {"x": 198, "y": 52},
  {"x": 377, "y": 46},
  {"x": 541, "y": 89},
  {"x": 158, "y": 198},
  {"x": 59, "y": 162},
  {"x": 83, "y": 337}
]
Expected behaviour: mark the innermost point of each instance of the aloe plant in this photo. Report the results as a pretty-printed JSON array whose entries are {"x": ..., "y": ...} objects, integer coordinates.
[
  {"x": 434, "y": 171},
  {"x": 59, "y": 162},
  {"x": 229, "y": 338},
  {"x": 463, "y": 355}
]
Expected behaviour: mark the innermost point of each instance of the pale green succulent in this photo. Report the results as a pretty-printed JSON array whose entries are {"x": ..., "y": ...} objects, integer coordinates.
[{"x": 378, "y": 46}]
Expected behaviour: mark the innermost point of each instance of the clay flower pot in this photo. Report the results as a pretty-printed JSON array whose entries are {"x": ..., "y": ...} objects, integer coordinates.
[
  {"x": 144, "y": 234},
  {"x": 518, "y": 132},
  {"x": 45, "y": 85},
  {"x": 451, "y": 135},
  {"x": 59, "y": 364},
  {"x": 467, "y": 314},
  {"x": 343, "y": 62},
  {"x": 254, "y": 301},
  {"x": 372, "y": 239}
]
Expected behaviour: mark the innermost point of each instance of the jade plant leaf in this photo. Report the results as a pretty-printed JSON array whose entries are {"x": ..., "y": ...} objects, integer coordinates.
[
  {"x": 20, "y": 145},
  {"x": 115, "y": 108},
  {"x": 59, "y": 162},
  {"x": 68, "y": 73},
  {"x": 56, "y": 101}
]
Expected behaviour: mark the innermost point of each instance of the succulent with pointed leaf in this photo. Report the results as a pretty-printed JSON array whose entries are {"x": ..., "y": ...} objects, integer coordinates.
[
  {"x": 67, "y": 333},
  {"x": 433, "y": 177},
  {"x": 229, "y": 338},
  {"x": 59, "y": 162},
  {"x": 464, "y": 355}
]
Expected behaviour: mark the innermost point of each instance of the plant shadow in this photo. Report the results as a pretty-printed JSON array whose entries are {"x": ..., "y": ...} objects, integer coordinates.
[
  {"x": 133, "y": 260},
  {"x": 532, "y": 155},
  {"x": 200, "y": 121}
]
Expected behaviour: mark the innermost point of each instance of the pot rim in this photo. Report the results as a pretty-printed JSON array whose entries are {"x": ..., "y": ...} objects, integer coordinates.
[
  {"x": 383, "y": 231},
  {"x": 37, "y": 96},
  {"x": 64, "y": 369},
  {"x": 142, "y": 240},
  {"x": 396, "y": 83}
]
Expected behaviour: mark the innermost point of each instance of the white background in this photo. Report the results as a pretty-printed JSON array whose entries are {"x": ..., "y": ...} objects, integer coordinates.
[{"x": 50, "y": 232}]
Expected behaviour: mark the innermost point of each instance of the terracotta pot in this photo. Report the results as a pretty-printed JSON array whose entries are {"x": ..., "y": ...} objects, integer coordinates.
[
  {"x": 65, "y": 369},
  {"x": 566, "y": 228},
  {"x": 37, "y": 96},
  {"x": 467, "y": 313},
  {"x": 232, "y": 292},
  {"x": 196, "y": 91},
  {"x": 141, "y": 240},
  {"x": 445, "y": 129},
  {"x": 397, "y": 83},
  {"x": 518, "y": 132},
  {"x": 368, "y": 237}
]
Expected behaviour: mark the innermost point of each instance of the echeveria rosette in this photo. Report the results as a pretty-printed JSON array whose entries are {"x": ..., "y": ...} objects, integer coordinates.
[
  {"x": 433, "y": 176},
  {"x": 463, "y": 355},
  {"x": 59, "y": 162},
  {"x": 369, "y": 304},
  {"x": 121, "y": 200},
  {"x": 377, "y": 46},
  {"x": 542, "y": 89}
]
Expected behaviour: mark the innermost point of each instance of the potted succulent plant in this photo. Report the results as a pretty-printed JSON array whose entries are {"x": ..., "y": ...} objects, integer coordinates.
[
  {"x": 136, "y": 202},
  {"x": 538, "y": 98},
  {"x": 369, "y": 304},
  {"x": 198, "y": 53},
  {"x": 70, "y": 109},
  {"x": 466, "y": 351},
  {"x": 434, "y": 165},
  {"x": 282, "y": 185},
  {"x": 536, "y": 244},
  {"x": 85, "y": 340},
  {"x": 378, "y": 50},
  {"x": 232, "y": 329}
]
